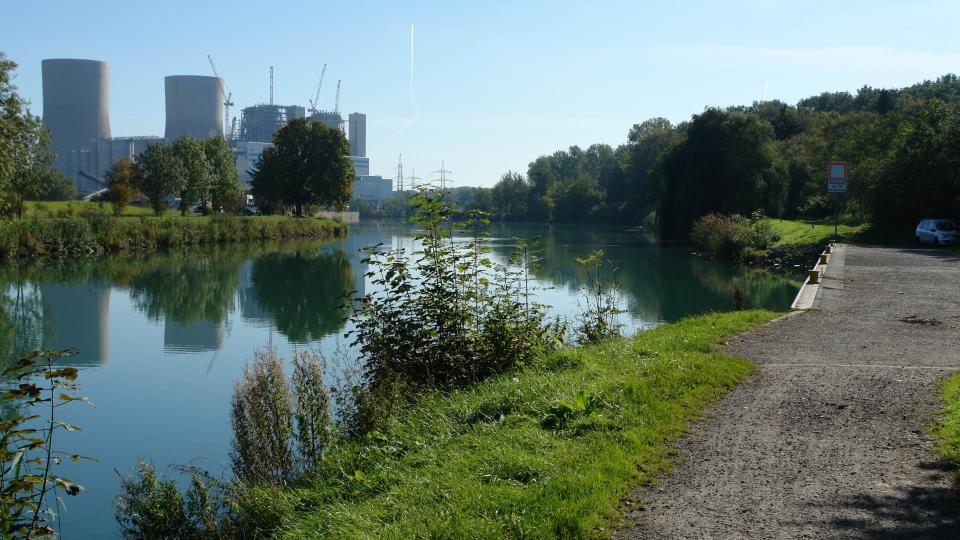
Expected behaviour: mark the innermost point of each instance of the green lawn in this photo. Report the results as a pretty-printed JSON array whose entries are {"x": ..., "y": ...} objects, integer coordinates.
[
  {"x": 483, "y": 463},
  {"x": 816, "y": 232},
  {"x": 947, "y": 431}
]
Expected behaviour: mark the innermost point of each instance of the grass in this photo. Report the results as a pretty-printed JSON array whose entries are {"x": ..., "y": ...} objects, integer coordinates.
[
  {"x": 817, "y": 232},
  {"x": 947, "y": 431},
  {"x": 486, "y": 463},
  {"x": 41, "y": 209},
  {"x": 100, "y": 233}
]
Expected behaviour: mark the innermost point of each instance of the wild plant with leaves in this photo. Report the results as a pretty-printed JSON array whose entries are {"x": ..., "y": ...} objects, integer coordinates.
[
  {"x": 600, "y": 311},
  {"x": 281, "y": 428},
  {"x": 443, "y": 315},
  {"x": 30, "y": 488}
]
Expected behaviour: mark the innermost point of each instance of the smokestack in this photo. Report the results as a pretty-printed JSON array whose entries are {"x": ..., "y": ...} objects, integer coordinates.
[
  {"x": 76, "y": 102},
  {"x": 194, "y": 106}
]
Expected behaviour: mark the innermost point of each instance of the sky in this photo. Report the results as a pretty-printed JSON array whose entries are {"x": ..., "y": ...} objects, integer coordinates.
[{"x": 486, "y": 87}]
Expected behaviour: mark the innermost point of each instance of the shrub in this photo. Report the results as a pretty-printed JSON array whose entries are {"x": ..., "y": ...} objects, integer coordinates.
[
  {"x": 731, "y": 237},
  {"x": 443, "y": 316},
  {"x": 280, "y": 429},
  {"x": 95, "y": 232}
]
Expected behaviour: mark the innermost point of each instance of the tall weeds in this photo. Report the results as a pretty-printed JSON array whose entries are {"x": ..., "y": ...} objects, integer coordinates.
[{"x": 280, "y": 428}]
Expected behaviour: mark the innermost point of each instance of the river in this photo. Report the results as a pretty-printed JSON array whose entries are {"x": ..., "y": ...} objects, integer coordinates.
[{"x": 162, "y": 337}]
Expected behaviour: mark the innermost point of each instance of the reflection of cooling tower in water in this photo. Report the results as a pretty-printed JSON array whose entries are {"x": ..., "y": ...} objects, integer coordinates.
[
  {"x": 77, "y": 317},
  {"x": 197, "y": 336}
]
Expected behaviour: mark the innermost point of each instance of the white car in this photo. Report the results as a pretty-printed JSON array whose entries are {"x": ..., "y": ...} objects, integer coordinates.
[{"x": 938, "y": 232}]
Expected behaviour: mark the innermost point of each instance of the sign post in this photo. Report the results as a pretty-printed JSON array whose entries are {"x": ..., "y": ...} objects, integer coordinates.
[{"x": 836, "y": 184}]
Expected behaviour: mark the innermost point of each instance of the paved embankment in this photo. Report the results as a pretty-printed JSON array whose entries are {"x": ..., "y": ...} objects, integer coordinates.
[{"x": 829, "y": 438}]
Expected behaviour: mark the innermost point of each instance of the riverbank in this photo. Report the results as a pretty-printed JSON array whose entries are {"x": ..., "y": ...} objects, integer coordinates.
[
  {"x": 100, "y": 234},
  {"x": 829, "y": 438},
  {"x": 547, "y": 452}
]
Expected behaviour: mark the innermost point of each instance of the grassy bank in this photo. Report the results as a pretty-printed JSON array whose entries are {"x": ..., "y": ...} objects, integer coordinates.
[
  {"x": 815, "y": 232},
  {"x": 948, "y": 430},
  {"x": 97, "y": 234},
  {"x": 548, "y": 452}
]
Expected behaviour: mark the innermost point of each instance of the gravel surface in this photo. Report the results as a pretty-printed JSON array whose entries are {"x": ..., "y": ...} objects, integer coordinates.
[{"x": 828, "y": 439}]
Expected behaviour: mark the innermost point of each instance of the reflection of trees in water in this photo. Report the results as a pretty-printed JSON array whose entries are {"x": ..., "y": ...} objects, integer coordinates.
[
  {"x": 303, "y": 291},
  {"x": 659, "y": 283},
  {"x": 22, "y": 325},
  {"x": 760, "y": 288},
  {"x": 185, "y": 289}
]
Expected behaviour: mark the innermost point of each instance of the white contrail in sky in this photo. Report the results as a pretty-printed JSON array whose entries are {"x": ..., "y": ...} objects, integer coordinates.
[
  {"x": 412, "y": 100},
  {"x": 766, "y": 88}
]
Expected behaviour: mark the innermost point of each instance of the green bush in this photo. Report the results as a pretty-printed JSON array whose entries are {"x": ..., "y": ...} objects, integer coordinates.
[
  {"x": 733, "y": 237},
  {"x": 96, "y": 232}
]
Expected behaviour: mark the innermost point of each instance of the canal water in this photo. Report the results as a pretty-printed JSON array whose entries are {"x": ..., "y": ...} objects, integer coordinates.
[{"x": 163, "y": 337}]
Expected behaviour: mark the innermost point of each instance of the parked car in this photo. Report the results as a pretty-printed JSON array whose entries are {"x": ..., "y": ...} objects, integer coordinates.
[{"x": 940, "y": 232}]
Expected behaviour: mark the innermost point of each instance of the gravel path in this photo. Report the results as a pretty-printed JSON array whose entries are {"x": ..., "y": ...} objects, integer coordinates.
[{"x": 828, "y": 438}]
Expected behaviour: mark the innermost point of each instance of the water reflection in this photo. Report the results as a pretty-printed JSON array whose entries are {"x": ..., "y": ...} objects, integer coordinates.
[
  {"x": 303, "y": 292},
  {"x": 76, "y": 315},
  {"x": 296, "y": 288}
]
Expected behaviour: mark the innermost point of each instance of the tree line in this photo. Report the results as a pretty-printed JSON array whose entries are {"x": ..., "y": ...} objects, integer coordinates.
[{"x": 902, "y": 146}]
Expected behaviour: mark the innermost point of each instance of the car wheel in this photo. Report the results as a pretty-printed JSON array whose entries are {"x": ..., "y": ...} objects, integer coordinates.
[
  {"x": 919, "y": 241},
  {"x": 936, "y": 241}
]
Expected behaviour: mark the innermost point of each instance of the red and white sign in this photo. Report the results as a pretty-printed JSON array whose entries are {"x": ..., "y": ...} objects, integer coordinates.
[
  {"x": 837, "y": 170},
  {"x": 837, "y": 177}
]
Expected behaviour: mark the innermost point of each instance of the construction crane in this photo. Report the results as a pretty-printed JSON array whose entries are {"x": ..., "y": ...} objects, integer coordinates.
[
  {"x": 225, "y": 92},
  {"x": 336, "y": 103},
  {"x": 316, "y": 95}
]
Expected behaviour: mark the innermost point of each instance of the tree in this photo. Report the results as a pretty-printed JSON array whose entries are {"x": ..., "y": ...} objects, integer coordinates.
[
  {"x": 727, "y": 164},
  {"x": 160, "y": 173},
  {"x": 54, "y": 186},
  {"x": 308, "y": 164},
  {"x": 509, "y": 198},
  {"x": 121, "y": 179},
  {"x": 196, "y": 171},
  {"x": 224, "y": 181},
  {"x": 24, "y": 158},
  {"x": 647, "y": 143},
  {"x": 33, "y": 164}
]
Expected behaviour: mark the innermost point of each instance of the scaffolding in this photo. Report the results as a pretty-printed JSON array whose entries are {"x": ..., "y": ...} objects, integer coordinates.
[{"x": 260, "y": 122}]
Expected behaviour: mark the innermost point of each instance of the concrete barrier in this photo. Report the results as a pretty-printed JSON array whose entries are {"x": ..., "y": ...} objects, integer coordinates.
[{"x": 808, "y": 291}]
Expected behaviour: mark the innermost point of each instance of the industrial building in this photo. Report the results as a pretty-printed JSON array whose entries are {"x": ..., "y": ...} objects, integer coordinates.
[
  {"x": 76, "y": 101},
  {"x": 358, "y": 134},
  {"x": 260, "y": 122},
  {"x": 88, "y": 164},
  {"x": 194, "y": 105},
  {"x": 76, "y": 104},
  {"x": 247, "y": 154},
  {"x": 372, "y": 188}
]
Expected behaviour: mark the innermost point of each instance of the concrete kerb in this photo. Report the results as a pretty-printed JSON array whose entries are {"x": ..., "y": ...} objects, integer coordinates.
[{"x": 811, "y": 286}]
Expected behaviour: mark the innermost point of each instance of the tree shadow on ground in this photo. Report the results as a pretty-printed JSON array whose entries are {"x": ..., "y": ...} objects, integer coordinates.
[{"x": 912, "y": 512}]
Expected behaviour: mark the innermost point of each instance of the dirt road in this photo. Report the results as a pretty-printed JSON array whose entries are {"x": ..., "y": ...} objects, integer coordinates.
[{"x": 829, "y": 438}]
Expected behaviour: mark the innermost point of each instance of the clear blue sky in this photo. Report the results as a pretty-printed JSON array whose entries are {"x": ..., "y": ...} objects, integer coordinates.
[{"x": 497, "y": 83}]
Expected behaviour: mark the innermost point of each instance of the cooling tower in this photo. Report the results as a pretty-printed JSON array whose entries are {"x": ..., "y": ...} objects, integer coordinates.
[
  {"x": 194, "y": 106},
  {"x": 76, "y": 99}
]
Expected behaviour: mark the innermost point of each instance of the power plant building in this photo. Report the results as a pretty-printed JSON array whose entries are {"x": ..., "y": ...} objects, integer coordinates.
[
  {"x": 372, "y": 188},
  {"x": 76, "y": 104},
  {"x": 194, "y": 106},
  {"x": 260, "y": 122},
  {"x": 88, "y": 165},
  {"x": 358, "y": 134}
]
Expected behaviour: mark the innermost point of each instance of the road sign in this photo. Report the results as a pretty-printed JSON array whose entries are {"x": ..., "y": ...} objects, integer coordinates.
[
  {"x": 837, "y": 170},
  {"x": 836, "y": 186}
]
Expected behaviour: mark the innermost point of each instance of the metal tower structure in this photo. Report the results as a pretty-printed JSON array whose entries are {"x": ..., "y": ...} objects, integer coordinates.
[
  {"x": 399, "y": 169},
  {"x": 443, "y": 172}
]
